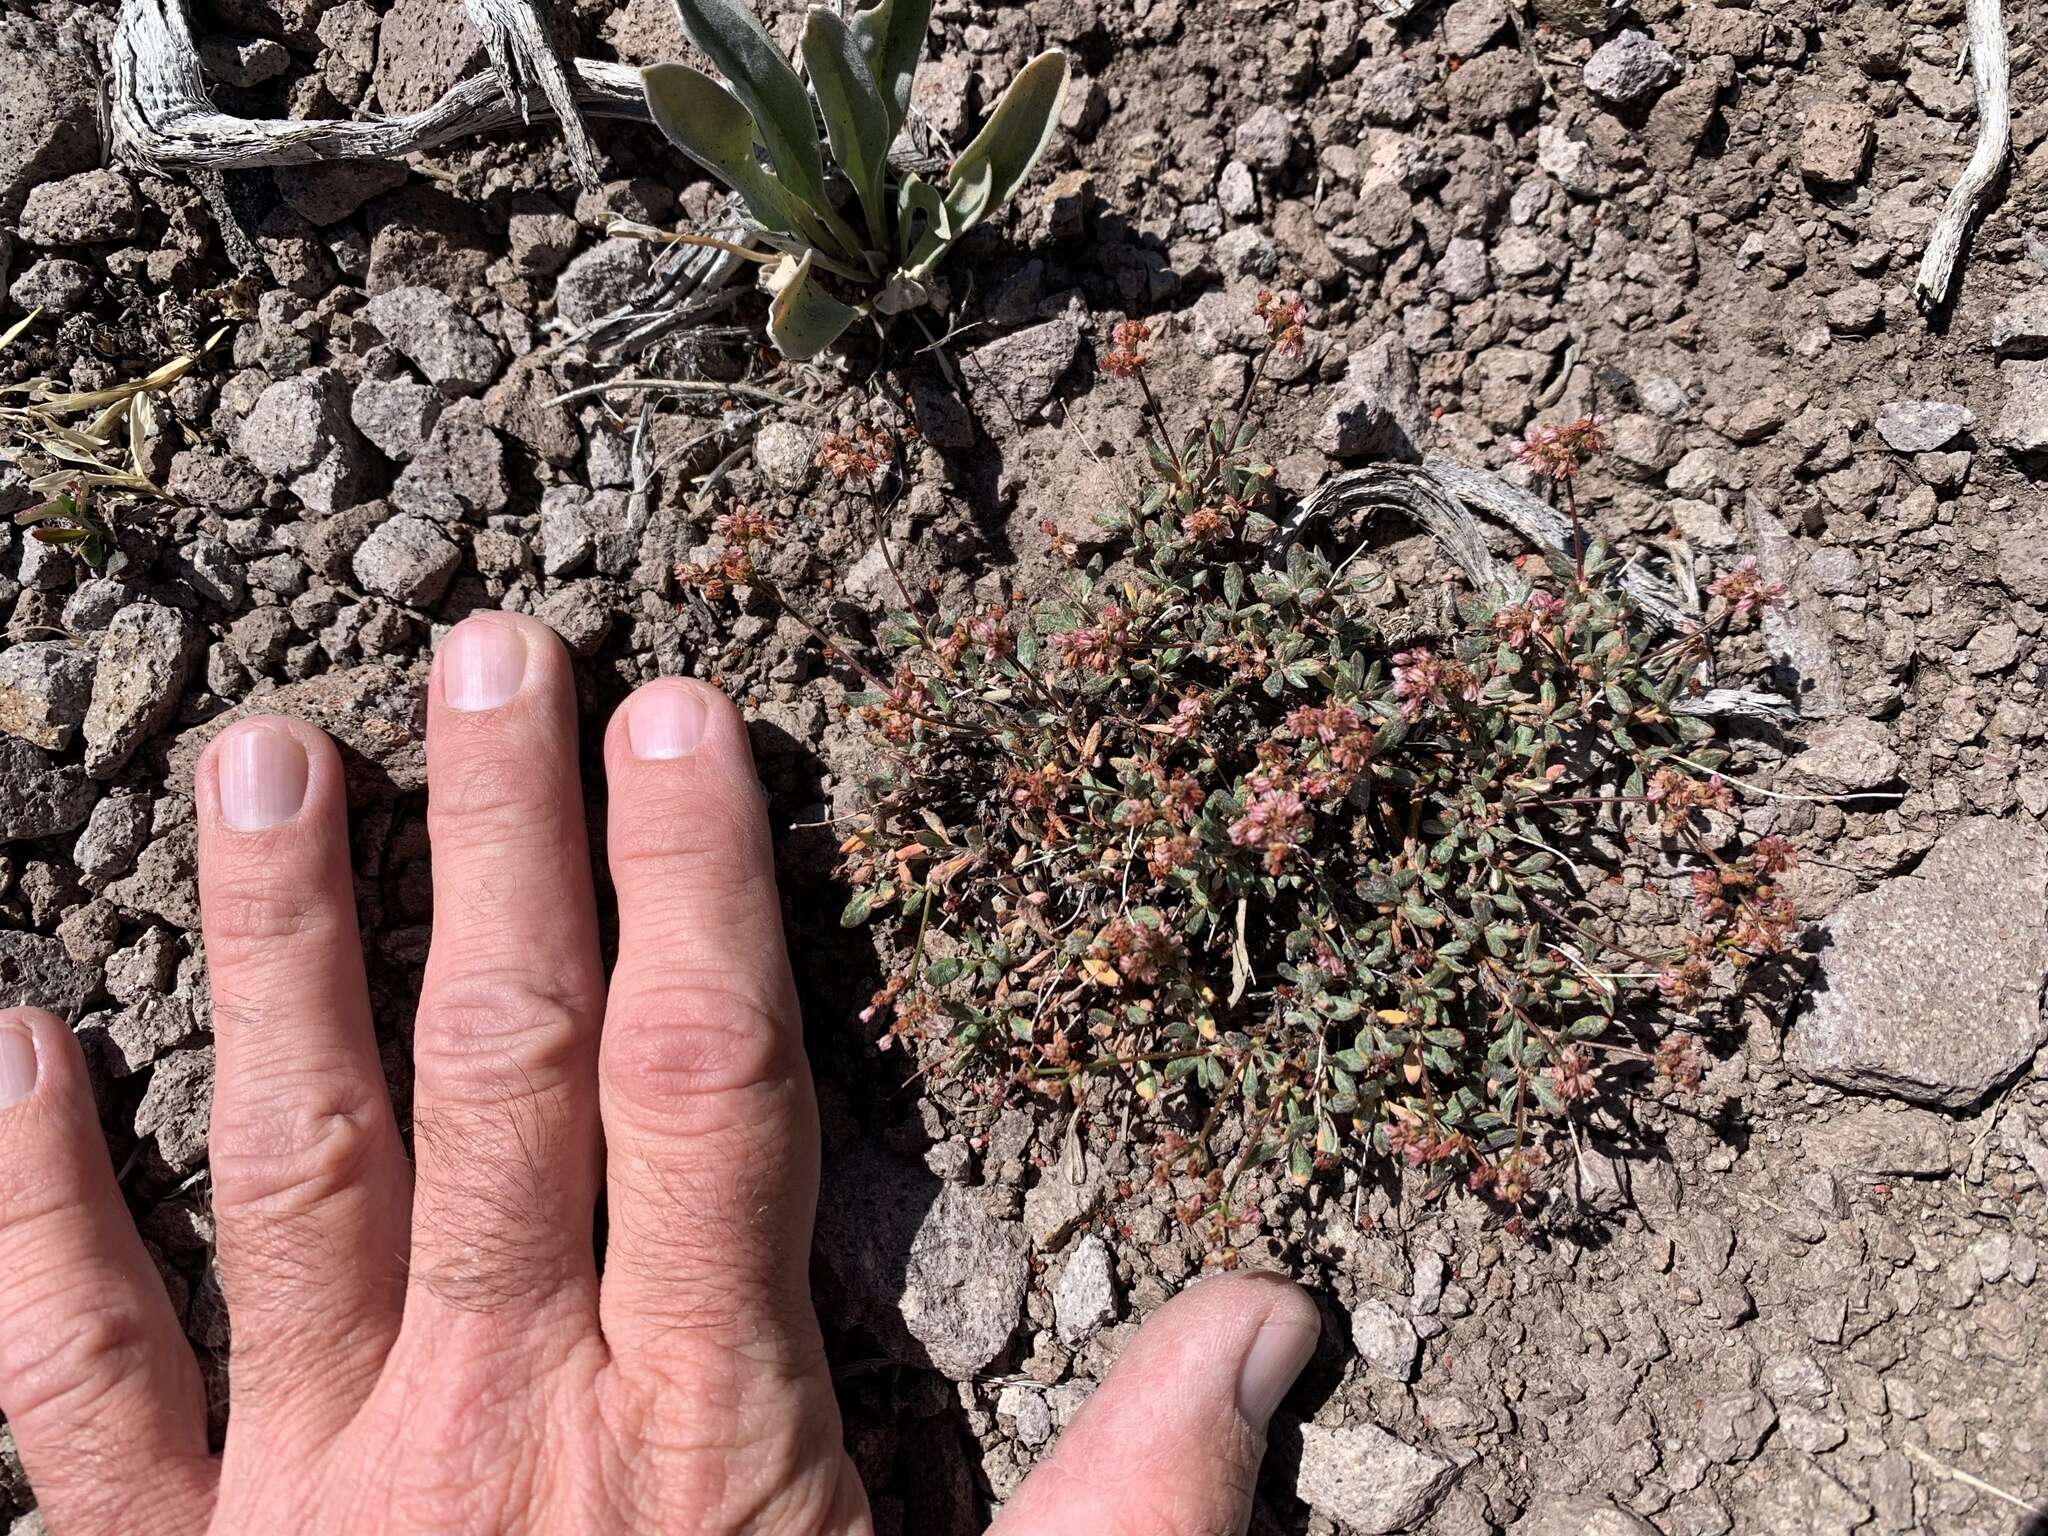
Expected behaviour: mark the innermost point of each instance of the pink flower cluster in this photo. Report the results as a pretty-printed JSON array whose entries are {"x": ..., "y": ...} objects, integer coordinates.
[
  {"x": 1275, "y": 819},
  {"x": 1424, "y": 680}
]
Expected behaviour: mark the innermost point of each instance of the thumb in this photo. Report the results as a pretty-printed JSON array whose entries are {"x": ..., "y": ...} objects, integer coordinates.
[{"x": 1170, "y": 1444}]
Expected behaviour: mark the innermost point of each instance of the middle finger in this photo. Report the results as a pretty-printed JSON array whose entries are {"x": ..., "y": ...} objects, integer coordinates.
[{"x": 505, "y": 1042}]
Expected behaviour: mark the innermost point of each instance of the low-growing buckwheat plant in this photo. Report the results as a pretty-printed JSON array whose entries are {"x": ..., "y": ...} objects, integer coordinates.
[{"x": 1198, "y": 828}]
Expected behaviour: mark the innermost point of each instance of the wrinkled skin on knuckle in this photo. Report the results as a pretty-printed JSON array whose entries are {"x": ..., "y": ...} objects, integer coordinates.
[
  {"x": 501, "y": 1023},
  {"x": 62, "y": 1358},
  {"x": 255, "y": 920},
  {"x": 670, "y": 1048},
  {"x": 292, "y": 1149}
]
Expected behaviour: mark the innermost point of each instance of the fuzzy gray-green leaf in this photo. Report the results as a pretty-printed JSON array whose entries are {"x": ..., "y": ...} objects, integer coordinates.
[
  {"x": 856, "y": 122},
  {"x": 707, "y": 122},
  {"x": 892, "y": 36},
  {"x": 761, "y": 77},
  {"x": 1010, "y": 143},
  {"x": 804, "y": 319}
]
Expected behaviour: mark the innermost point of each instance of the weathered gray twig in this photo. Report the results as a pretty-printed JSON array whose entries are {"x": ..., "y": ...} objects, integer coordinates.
[
  {"x": 516, "y": 36},
  {"x": 1991, "y": 72},
  {"x": 1434, "y": 496},
  {"x": 163, "y": 118}
]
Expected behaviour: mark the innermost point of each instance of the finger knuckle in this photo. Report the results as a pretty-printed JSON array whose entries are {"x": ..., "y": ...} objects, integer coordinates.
[
  {"x": 696, "y": 1039},
  {"x": 295, "y": 1150},
  {"x": 502, "y": 791},
  {"x": 494, "y": 1016},
  {"x": 255, "y": 914},
  {"x": 62, "y": 1356}
]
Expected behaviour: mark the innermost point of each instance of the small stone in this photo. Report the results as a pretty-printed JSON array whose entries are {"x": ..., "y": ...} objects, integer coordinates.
[
  {"x": 459, "y": 473},
  {"x": 1469, "y": 26},
  {"x": 38, "y": 972},
  {"x": 176, "y": 1105},
  {"x": 1372, "y": 1482},
  {"x": 581, "y": 613},
  {"x": 522, "y": 406},
  {"x": 1025, "y": 1407},
  {"x": 396, "y": 415},
  {"x": 1849, "y": 754},
  {"x": 1922, "y": 426},
  {"x": 144, "y": 661},
  {"x": 784, "y": 453},
  {"x": 408, "y": 560},
  {"x": 44, "y": 688},
  {"x": 1237, "y": 192},
  {"x": 1928, "y": 988},
  {"x": 56, "y": 283},
  {"x": 86, "y": 209},
  {"x": 1558, "y": 1515},
  {"x": 1084, "y": 1300},
  {"x": 1012, "y": 377},
  {"x": 1835, "y": 144},
  {"x": 324, "y": 195},
  {"x": 1377, "y": 410},
  {"x": 122, "y": 1042},
  {"x": 438, "y": 337},
  {"x": 1066, "y": 1195},
  {"x": 1385, "y": 1340},
  {"x": 2021, "y": 328},
  {"x": 1265, "y": 140},
  {"x": 375, "y": 713},
  {"x": 49, "y": 109},
  {"x": 40, "y": 795},
  {"x": 1630, "y": 69},
  {"x": 1734, "y": 1425},
  {"x": 2023, "y": 424},
  {"x": 114, "y": 834}
]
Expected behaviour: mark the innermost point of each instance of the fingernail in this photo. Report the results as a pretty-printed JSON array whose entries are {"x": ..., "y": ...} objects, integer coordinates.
[
  {"x": 17, "y": 1064},
  {"x": 483, "y": 662},
  {"x": 1276, "y": 1357},
  {"x": 666, "y": 720},
  {"x": 262, "y": 778}
]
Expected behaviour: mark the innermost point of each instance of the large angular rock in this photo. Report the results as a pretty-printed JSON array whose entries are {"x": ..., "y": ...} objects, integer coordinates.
[
  {"x": 438, "y": 337},
  {"x": 45, "y": 686},
  {"x": 376, "y": 715},
  {"x": 1922, "y": 426},
  {"x": 1084, "y": 1300},
  {"x": 460, "y": 473},
  {"x": 144, "y": 660},
  {"x": 85, "y": 209},
  {"x": 601, "y": 279},
  {"x": 1011, "y": 378},
  {"x": 175, "y": 1107},
  {"x": 49, "y": 111},
  {"x": 1630, "y": 69},
  {"x": 924, "y": 1266},
  {"x": 1848, "y": 754},
  {"x": 1928, "y": 988},
  {"x": 1835, "y": 144},
  {"x": 40, "y": 794},
  {"x": 2023, "y": 423},
  {"x": 1369, "y": 1480},
  {"x": 299, "y": 431},
  {"x": 38, "y": 972},
  {"x": 408, "y": 560},
  {"x": 423, "y": 48}
]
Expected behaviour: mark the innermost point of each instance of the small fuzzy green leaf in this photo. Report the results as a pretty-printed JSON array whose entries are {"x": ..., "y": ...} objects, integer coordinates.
[
  {"x": 924, "y": 224},
  {"x": 942, "y": 972},
  {"x": 892, "y": 36},
  {"x": 858, "y": 909},
  {"x": 856, "y": 123},
  {"x": 991, "y": 169},
  {"x": 761, "y": 77},
  {"x": 804, "y": 319}
]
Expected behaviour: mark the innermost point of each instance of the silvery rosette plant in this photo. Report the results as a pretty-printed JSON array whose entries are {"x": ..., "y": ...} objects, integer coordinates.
[{"x": 758, "y": 132}]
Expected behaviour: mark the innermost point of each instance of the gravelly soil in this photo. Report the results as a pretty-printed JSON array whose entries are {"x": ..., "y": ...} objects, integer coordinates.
[{"x": 1808, "y": 1302}]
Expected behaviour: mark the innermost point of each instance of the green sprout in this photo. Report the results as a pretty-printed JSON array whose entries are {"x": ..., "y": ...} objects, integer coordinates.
[{"x": 882, "y": 248}]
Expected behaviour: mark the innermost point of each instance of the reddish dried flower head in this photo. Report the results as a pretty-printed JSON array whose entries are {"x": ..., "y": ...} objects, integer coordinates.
[
  {"x": 1745, "y": 592},
  {"x": 1560, "y": 452},
  {"x": 1283, "y": 319},
  {"x": 859, "y": 456},
  {"x": 743, "y": 526},
  {"x": 1124, "y": 360}
]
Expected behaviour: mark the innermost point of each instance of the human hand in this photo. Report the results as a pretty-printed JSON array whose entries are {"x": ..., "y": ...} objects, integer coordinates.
[{"x": 430, "y": 1346}]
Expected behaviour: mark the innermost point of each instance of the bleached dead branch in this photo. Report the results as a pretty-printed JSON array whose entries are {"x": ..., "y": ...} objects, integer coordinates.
[{"x": 1991, "y": 72}]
